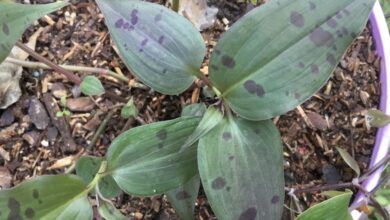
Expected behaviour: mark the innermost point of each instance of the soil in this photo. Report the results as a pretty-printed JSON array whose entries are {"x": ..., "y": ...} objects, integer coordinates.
[{"x": 334, "y": 117}]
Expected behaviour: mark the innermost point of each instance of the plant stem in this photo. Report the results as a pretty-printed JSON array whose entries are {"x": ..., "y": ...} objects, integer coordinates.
[
  {"x": 206, "y": 80},
  {"x": 98, "y": 176},
  {"x": 38, "y": 65},
  {"x": 72, "y": 77},
  {"x": 324, "y": 188},
  {"x": 100, "y": 130},
  {"x": 175, "y": 5}
]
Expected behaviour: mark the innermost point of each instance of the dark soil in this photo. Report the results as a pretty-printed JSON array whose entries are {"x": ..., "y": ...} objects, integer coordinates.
[{"x": 332, "y": 118}]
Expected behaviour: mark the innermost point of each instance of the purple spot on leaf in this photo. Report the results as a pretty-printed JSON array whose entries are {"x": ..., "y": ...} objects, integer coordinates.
[
  {"x": 331, "y": 22},
  {"x": 126, "y": 25},
  {"x": 227, "y": 136},
  {"x": 35, "y": 194},
  {"x": 228, "y": 188},
  {"x": 160, "y": 146},
  {"x": 134, "y": 12},
  {"x": 218, "y": 183},
  {"x": 161, "y": 40},
  {"x": 134, "y": 17},
  {"x": 14, "y": 207},
  {"x": 297, "y": 19},
  {"x": 346, "y": 12},
  {"x": 353, "y": 35},
  {"x": 344, "y": 30},
  {"x": 29, "y": 213},
  {"x": 134, "y": 20},
  {"x": 253, "y": 88},
  {"x": 231, "y": 157},
  {"x": 4, "y": 47},
  {"x": 164, "y": 72},
  {"x": 320, "y": 37},
  {"x": 314, "y": 69},
  {"x": 331, "y": 59},
  {"x": 301, "y": 65},
  {"x": 144, "y": 42},
  {"x": 339, "y": 34},
  {"x": 119, "y": 23},
  {"x": 182, "y": 195},
  {"x": 312, "y": 6},
  {"x": 157, "y": 18},
  {"x": 275, "y": 199},
  {"x": 5, "y": 29},
  {"x": 217, "y": 52},
  {"x": 162, "y": 134},
  {"x": 228, "y": 61},
  {"x": 339, "y": 15},
  {"x": 249, "y": 214},
  {"x": 297, "y": 95}
]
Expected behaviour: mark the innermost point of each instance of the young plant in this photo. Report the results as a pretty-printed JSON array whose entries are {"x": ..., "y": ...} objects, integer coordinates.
[
  {"x": 270, "y": 61},
  {"x": 65, "y": 110}
]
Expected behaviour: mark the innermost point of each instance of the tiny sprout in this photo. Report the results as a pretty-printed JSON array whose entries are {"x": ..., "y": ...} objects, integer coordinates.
[
  {"x": 376, "y": 118},
  {"x": 129, "y": 110}
]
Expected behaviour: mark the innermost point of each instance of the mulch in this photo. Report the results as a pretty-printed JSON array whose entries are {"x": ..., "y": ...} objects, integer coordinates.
[{"x": 34, "y": 143}]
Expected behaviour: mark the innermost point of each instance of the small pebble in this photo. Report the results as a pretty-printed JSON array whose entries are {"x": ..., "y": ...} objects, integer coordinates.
[{"x": 331, "y": 174}]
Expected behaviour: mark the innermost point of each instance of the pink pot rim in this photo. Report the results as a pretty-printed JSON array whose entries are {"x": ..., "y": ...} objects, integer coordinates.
[{"x": 381, "y": 36}]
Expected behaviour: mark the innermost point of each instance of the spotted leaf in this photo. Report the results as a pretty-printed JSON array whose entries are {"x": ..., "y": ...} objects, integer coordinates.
[
  {"x": 160, "y": 47},
  {"x": 241, "y": 168},
  {"x": 15, "y": 18},
  {"x": 87, "y": 167},
  {"x": 146, "y": 160},
  {"x": 333, "y": 208},
  {"x": 184, "y": 197},
  {"x": 281, "y": 53},
  {"x": 60, "y": 197}
]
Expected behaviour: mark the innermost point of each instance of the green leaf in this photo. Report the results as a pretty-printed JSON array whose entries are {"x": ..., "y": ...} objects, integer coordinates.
[
  {"x": 108, "y": 211},
  {"x": 280, "y": 54},
  {"x": 87, "y": 167},
  {"x": 331, "y": 194},
  {"x": 161, "y": 47},
  {"x": 59, "y": 197},
  {"x": 241, "y": 168},
  {"x": 197, "y": 109},
  {"x": 91, "y": 86},
  {"x": 183, "y": 198},
  {"x": 333, "y": 208},
  {"x": 210, "y": 119},
  {"x": 15, "y": 18},
  {"x": 129, "y": 110},
  {"x": 386, "y": 10},
  {"x": 376, "y": 118},
  {"x": 383, "y": 196},
  {"x": 146, "y": 160},
  {"x": 349, "y": 160},
  {"x": 59, "y": 114},
  {"x": 254, "y": 2}
]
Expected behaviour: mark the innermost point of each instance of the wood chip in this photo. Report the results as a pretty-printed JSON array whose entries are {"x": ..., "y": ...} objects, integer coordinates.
[
  {"x": 317, "y": 120},
  {"x": 7, "y": 118},
  {"x": 4, "y": 154},
  {"x": 31, "y": 137},
  {"x": 5, "y": 178},
  {"x": 82, "y": 104},
  {"x": 38, "y": 114}
]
